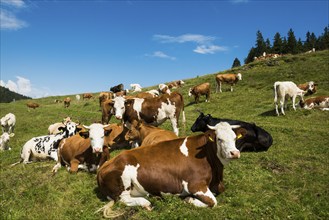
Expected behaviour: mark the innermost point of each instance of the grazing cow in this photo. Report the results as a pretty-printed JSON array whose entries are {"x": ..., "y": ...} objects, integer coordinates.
[
  {"x": 54, "y": 128},
  {"x": 144, "y": 134},
  {"x": 4, "y": 141},
  {"x": 176, "y": 84},
  {"x": 152, "y": 110},
  {"x": 256, "y": 138},
  {"x": 103, "y": 96},
  {"x": 77, "y": 97},
  {"x": 285, "y": 90},
  {"x": 136, "y": 87},
  {"x": 8, "y": 123},
  {"x": 45, "y": 147},
  {"x": 32, "y": 105},
  {"x": 117, "y": 88},
  {"x": 67, "y": 102},
  {"x": 201, "y": 89},
  {"x": 190, "y": 166},
  {"x": 320, "y": 102},
  {"x": 86, "y": 150},
  {"x": 231, "y": 79},
  {"x": 164, "y": 89},
  {"x": 309, "y": 87},
  {"x": 87, "y": 96}
]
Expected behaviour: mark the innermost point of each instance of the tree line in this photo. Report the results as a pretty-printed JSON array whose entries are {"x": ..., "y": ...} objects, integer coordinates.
[
  {"x": 7, "y": 96},
  {"x": 286, "y": 45}
]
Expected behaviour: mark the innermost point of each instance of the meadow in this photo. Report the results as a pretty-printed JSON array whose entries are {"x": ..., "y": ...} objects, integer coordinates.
[{"x": 289, "y": 181}]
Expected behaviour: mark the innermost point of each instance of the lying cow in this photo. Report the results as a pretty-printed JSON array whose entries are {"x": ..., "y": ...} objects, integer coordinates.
[
  {"x": 45, "y": 147},
  {"x": 54, "y": 128},
  {"x": 8, "y": 123},
  {"x": 4, "y": 141},
  {"x": 153, "y": 111},
  {"x": 144, "y": 134},
  {"x": 86, "y": 150},
  {"x": 256, "y": 138},
  {"x": 201, "y": 89},
  {"x": 285, "y": 90},
  {"x": 191, "y": 167},
  {"x": 309, "y": 87},
  {"x": 176, "y": 84},
  {"x": 117, "y": 88},
  {"x": 320, "y": 102},
  {"x": 231, "y": 79}
]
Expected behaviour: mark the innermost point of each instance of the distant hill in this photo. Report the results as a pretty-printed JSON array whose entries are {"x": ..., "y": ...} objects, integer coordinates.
[{"x": 7, "y": 96}]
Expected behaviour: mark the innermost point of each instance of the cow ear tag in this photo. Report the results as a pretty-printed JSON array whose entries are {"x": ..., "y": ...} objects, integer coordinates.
[
  {"x": 239, "y": 136},
  {"x": 212, "y": 140}
]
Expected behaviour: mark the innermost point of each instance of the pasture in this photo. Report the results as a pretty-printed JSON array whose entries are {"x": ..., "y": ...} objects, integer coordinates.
[{"x": 289, "y": 181}]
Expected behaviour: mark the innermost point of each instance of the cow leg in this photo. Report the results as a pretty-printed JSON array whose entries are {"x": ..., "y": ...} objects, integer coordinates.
[
  {"x": 174, "y": 124},
  {"x": 203, "y": 197},
  {"x": 231, "y": 88},
  {"x": 293, "y": 102},
  {"x": 282, "y": 105},
  {"x": 56, "y": 167},
  {"x": 220, "y": 86},
  {"x": 127, "y": 199}
]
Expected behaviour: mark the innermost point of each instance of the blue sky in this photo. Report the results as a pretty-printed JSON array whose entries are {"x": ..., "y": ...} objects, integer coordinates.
[{"x": 70, "y": 47}]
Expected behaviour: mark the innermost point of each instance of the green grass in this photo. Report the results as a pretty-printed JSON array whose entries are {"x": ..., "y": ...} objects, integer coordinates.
[{"x": 290, "y": 180}]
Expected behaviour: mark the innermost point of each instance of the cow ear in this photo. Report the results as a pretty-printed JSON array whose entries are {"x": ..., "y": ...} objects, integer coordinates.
[
  {"x": 211, "y": 136},
  {"x": 84, "y": 134},
  {"x": 240, "y": 132},
  {"x": 107, "y": 132}
]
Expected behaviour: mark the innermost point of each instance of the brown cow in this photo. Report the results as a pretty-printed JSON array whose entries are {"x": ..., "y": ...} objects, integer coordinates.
[
  {"x": 231, "y": 79},
  {"x": 320, "y": 102},
  {"x": 145, "y": 134},
  {"x": 202, "y": 89},
  {"x": 189, "y": 166},
  {"x": 32, "y": 105},
  {"x": 175, "y": 84},
  {"x": 87, "y": 96},
  {"x": 67, "y": 102},
  {"x": 107, "y": 111},
  {"x": 309, "y": 87},
  {"x": 86, "y": 150},
  {"x": 103, "y": 96}
]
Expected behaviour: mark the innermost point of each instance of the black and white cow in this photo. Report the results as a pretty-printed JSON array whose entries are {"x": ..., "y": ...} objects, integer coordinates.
[
  {"x": 256, "y": 138},
  {"x": 45, "y": 147}
]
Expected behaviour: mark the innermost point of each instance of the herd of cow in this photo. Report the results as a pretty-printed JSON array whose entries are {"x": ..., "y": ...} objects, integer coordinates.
[{"x": 191, "y": 166}]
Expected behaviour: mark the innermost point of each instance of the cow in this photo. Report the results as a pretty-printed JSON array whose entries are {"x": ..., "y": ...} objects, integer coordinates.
[
  {"x": 107, "y": 111},
  {"x": 136, "y": 87},
  {"x": 86, "y": 150},
  {"x": 54, "y": 128},
  {"x": 164, "y": 89},
  {"x": 191, "y": 167},
  {"x": 4, "y": 141},
  {"x": 45, "y": 147},
  {"x": 198, "y": 90},
  {"x": 117, "y": 88},
  {"x": 32, "y": 105},
  {"x": 175, "y": 84},
  {"x": 154, "y": 92},
  {"x": 121, "y": 93},
  {"x": 77, "y": 97},
  {"x": 153, "y": 111},
  {"x": 228, "y": 78},
  {"x": 309, "y": 87},
  {"x": 144, "y": 95},
  {"x": 8, "y": 123},
  {"x": 320, "y": 102},
  {"x": 144, "y": 134},
  {"x": 67, "y": 102},
  {"x": 117, "y": 138},
  {"x": 256, "y": 138},
  {"x": 103, "y": 96},
  {"x": 87, "y": 96},
  {"x": 285, "y": 90}
]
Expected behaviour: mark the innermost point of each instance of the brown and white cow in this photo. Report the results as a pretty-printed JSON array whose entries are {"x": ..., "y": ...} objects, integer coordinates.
[
  {"x": 191, "y": 167},
  {"x": 201, "y": 89},
  {"x": 67, "y": 102},
  {"x": 164, "y": 89},
  {"x": 230, "y": 78},
  {"x": 320, "y": 102},
  {"x": 153, "y": 111},
  {"x": 176, "y": 84},
  {"x": 309, "y": 87},
  {"x": 87, "y": 150},
  {"x": 87, "y": 96},
  {"x": 144, "y": 134}
]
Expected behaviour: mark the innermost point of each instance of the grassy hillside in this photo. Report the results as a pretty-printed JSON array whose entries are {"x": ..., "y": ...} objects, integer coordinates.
[{"x": 290, "y": 180}]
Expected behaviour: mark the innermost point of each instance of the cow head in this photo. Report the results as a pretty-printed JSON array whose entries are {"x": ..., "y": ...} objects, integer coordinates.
[
  {"x": 96, "y": 134},
  {"x": 311, "y": 88},
  {"x": 119, "y": 107},
  {"x": 239, "y": 76},
  {"x": 134, "y": 131},
  {"x": 70, "y": 129},
  {"x": 225, "y": 141},
  {"x": 201, "y": 122}
]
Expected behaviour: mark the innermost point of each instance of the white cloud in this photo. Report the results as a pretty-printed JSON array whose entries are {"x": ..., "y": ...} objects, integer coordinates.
[
  {"x": 161, "y": 54},
  {"x": 239, "y": 1},
  {"x": 8, "y": 18},
  {"x": 204, "y": 49},
  {"x": 13, "y": 3}
]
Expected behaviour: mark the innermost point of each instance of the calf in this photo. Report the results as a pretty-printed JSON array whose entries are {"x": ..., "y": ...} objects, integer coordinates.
[
  {"x": 4, "y": 141},
  {"x": 320, "y": 102},
  {"x": 153, "y": 111},
  {"x": 32, "y": 105},
  {"x": 201, "y": 89},
  {"x": 86, "y": 150},
  {"x": 309, "y": 87},
  {"x": 67, "y": 102},
  {"x": 117, "y": 88},
  {"x": 145, "y": 134},
  {"x": 231, "y": 79},
  {"x": 285, "y": 90},
  {"x": 255, "y": 139},
  {"x": 8, "y": 123},
  {"x": 45, "y": 147},
  {"x": 189, "y": 166}
]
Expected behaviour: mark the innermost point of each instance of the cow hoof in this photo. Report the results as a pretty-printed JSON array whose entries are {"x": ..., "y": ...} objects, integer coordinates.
[{"x": 148, "y": 208}]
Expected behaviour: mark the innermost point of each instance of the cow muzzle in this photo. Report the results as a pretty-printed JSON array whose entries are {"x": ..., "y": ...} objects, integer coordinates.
[
  {"x": 97, "y": 150},
  {"x": 235, "y": 154},
  {"x": 118, "y": 117}
]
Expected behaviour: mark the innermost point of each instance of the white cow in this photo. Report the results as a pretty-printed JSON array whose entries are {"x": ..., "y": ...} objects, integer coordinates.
[
  {"x": 8, "y": 123},
  {"x": 285, "y": 90},
  {"x": 136, "y": 87},
  {"x": 4, "y": 141}
]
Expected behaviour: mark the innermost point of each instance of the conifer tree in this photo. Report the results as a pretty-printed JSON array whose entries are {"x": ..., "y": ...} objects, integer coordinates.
[
  {"x": 277, "y": 44},
  {"x": 323, "y": 40},
  {"x": 291, "y": 43},
  {"x": 260, "y": 44},
  {"x": 236, "y": 63},
  {"x": 251, "y": 55}
]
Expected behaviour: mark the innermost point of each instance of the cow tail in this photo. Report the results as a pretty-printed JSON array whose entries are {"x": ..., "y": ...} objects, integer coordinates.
[
  {"x": 275, "y": 93},
  {"x": 108, "y": 211}
]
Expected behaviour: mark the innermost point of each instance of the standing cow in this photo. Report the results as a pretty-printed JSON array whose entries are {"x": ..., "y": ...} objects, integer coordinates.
[
  {"x": 201, "y": 89},
  {"x": 231, "y": 79}
]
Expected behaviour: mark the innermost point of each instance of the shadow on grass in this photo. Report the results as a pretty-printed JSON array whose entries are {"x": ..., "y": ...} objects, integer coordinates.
[{"x": 269, "y": 113}]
